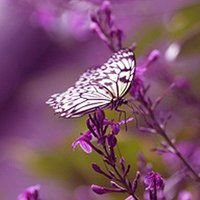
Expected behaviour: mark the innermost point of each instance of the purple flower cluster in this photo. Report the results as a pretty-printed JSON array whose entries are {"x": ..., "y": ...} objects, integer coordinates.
[
  {"x": 101, "y": 137},
  {"x": 103, "y": 132},
  {"x": 97, "y": 127},
  {"x": 103, "y": 25},
  {"x": 153, "y": 182},
  {"x": 155, "y": 123}
]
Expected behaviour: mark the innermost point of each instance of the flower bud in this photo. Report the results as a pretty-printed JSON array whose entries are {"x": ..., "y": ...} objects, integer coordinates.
[
  {"x": 100, "y": 115},
  {"x": 98, "y": 189},
  {"x": 106, "y": 7},
  {"x": 154, "y": 55},
  {"x": 96, "y": 168},
  {"x": 102, "y": 190},
  {"x": 95, "y": 28},
  {"x": 112, "y": 141}
]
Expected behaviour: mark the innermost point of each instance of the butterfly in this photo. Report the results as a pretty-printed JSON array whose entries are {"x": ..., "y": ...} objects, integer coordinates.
[{"x": 99, "y": 87}]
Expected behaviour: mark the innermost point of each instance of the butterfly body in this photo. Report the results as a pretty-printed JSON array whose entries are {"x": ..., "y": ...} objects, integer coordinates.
[{"x": 99, "y": 87}]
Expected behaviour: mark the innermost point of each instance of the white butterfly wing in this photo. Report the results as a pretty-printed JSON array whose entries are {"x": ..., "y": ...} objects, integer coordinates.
[
  {"x": 121, "y": 68},
  {"x": 97, "y": 87},
  {"x": 79, "y": 100}
]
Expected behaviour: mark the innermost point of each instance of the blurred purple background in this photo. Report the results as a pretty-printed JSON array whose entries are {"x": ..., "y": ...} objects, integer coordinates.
[{"x": 46, "y": 45}]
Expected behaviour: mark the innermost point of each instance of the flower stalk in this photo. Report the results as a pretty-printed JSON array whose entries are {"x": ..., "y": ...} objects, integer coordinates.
[
  {"x": 160, "y": 129},
  {"x": 104, "y": 132}
]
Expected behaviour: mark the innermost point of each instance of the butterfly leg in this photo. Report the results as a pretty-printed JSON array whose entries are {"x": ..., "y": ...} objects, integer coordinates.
[
  {"x": 134, "y": 111},
  {"x": 124, "y": 113},
  {"x": 120, "y": 115}
]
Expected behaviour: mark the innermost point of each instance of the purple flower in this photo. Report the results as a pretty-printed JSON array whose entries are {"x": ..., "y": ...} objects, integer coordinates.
[
  {"x": 111, "y": 140},
  {"x": 153, "y": 56},
  {"x": 31, "y": 193},
  {"x": 185, "y": 195},
  {"x": 140, "y": 70},
  {"x": 106, "y": 6},
  {"x": 134, "y": 91},
  {"x": 103, "y": 25},
  {"x": 115, "y": 128},
  {"x": 95, "y": 28},
  {"x": 153, "y": 181},
  {"x": 102, "y": 190},
  {"x": 100, "y": 115},
  {"x": 83, "y": 142}
]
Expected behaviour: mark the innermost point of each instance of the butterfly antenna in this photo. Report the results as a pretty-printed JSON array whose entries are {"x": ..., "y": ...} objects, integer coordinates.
[
  {"x": 120, "y": 115},
  {"x": 136, "y": 120}
]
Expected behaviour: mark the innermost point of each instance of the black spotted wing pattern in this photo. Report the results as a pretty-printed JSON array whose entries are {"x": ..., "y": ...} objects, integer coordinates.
[{"x": 97, "y": 87}]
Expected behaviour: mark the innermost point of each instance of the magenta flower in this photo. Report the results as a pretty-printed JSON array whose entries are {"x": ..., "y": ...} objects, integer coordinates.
[
  {"x": 153, "y": 181},
  {"x": 31, "y": 193},
  {"x": 103, "y": 25},
  {"x": 140, "y": 70},
  {"x": 83, "y": 141},
  {"x": 153, "y": 56},
  {"x": 95, "y": 124},
  {"x": 104, "y": 132}
]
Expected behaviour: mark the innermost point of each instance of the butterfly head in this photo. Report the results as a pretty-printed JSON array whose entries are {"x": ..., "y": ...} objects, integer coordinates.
[{"x": 118, "y": 102}]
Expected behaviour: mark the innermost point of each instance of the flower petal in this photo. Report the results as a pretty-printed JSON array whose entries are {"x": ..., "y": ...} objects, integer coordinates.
[{"x": 85, "y": 146}]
